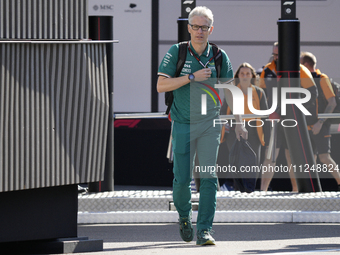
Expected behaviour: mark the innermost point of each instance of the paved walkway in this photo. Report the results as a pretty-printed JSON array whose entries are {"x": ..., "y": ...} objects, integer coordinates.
[{"x": 232, "y": 238}]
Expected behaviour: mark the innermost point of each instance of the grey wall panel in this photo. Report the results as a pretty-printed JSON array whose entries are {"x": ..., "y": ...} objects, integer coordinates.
[
  {"x": 54, "y": 114},
  {"x": 43, "y": 19}
]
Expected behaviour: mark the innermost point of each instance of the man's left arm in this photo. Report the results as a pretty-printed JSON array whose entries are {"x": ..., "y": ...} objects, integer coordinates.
[{"x": 330, "y": 96}]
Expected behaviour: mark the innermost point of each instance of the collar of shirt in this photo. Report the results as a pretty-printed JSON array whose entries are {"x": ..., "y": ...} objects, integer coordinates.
[{"x": 206, "y": 52}]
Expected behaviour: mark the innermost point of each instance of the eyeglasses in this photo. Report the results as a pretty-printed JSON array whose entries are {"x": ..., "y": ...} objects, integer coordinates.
[
  {"x": 196, "y": 27},
  {"x": 275, "y": 55}
]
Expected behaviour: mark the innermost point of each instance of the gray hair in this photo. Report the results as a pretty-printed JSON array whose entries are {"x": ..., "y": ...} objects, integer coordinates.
[{"x": 202, "y": 11}]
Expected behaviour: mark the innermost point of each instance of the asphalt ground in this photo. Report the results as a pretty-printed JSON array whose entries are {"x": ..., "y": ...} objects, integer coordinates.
[{"x": 231, "y": 238}]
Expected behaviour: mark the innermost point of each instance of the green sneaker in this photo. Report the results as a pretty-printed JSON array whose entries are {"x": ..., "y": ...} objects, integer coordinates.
[
  {"x": 185, "y": 229},
  {"x": 204, "y": 237}
]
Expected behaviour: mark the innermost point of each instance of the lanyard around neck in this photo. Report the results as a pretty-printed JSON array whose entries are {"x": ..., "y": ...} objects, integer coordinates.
[{"x": 198, "y": 59}]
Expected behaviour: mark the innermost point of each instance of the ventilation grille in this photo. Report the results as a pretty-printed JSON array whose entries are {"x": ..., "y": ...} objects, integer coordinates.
[
  {"x": 43, "y": 19},
  {"x": 54, "y": 112}
]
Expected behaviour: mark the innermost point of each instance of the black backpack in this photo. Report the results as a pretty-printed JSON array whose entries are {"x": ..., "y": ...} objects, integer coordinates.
[
  {"x": 182, "y": 55},
  {"x": 322, "y": 101}
]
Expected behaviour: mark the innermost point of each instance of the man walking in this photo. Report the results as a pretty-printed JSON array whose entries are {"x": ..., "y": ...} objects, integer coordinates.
[{"x": 193, "y": 132}]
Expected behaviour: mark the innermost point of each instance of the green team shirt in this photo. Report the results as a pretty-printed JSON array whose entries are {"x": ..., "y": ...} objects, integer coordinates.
[{"x": 187, "y": 104}]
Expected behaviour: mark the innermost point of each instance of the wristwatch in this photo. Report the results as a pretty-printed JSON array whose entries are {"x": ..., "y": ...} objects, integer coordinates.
[
  {"x": 322, "y": 120},
  {"x": 191, "y": 77}
]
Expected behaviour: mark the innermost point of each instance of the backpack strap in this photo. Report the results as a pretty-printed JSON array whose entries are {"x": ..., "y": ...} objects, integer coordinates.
[
  {"x": 182, "y": 55},
  {"x": 218, "y": 59}
]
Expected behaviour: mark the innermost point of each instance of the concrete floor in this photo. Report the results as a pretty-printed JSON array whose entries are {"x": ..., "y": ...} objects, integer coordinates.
[{"x": 231, "y": 238}]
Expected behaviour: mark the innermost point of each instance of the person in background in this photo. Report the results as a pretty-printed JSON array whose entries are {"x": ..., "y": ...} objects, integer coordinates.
[
  {"x": 320, "y": 132},
  {"x": 245, "y": 78},
  {"x": 268, "y": 80}
]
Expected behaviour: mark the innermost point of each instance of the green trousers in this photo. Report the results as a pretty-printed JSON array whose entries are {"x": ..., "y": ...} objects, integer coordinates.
[{"x": 190, "y": 140}]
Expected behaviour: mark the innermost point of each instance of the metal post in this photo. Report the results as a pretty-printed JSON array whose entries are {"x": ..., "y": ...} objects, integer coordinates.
[
  {"x": 154, "y": 54},
  {"x": 297, "y": 138},
  {"x": 186, "y": 7},
  {"x": 101, "y": 28}
]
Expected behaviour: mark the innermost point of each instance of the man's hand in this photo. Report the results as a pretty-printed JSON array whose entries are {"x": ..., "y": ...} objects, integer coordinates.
[
  {"x": 240, "y": 130},
  {"x": 203, "y": 74}
]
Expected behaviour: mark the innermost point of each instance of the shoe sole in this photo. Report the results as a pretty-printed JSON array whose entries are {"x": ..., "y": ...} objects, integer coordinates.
[{"x": 209, "y": 242}]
